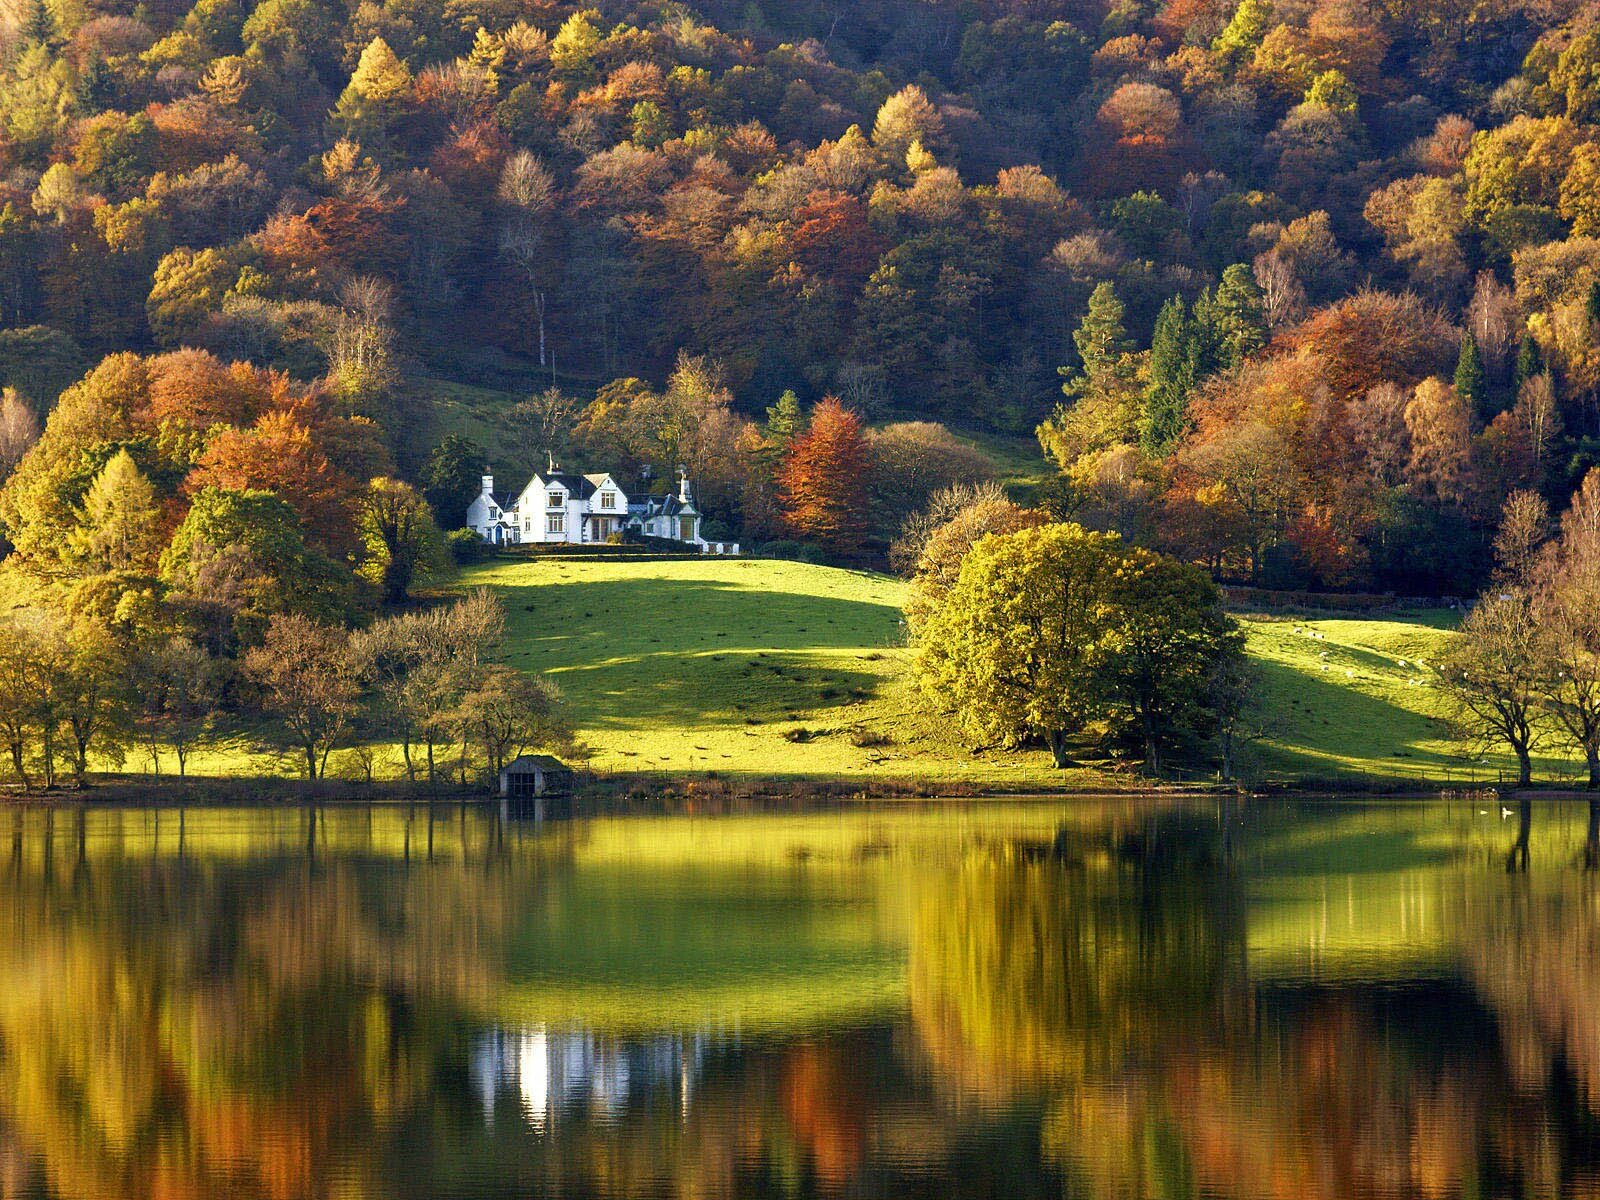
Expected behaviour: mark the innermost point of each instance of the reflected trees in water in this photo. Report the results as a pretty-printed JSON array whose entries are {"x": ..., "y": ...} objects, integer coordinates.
[{"x": 320, "y": 1010}]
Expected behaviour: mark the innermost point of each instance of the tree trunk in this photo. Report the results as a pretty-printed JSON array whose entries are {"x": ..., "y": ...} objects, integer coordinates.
[
  {"x": 1592, "y": 752},
  {"x": 1524, "y": 766},
  {"x": 49, "y": 746},
  {"x": 1058, "y": 748},
  {"x": 80, "y": 763},
  {"x": 21, "y": 770},
  {"x": 310, "y": 749},
  {"x": 538, "y": 302}
]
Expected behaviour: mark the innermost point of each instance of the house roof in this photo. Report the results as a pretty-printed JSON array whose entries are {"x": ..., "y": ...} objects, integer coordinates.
[
  {"x": 527, "y": 762},
  {"x": 581, "y": 486},
  {"x": 670, "y": 506}
]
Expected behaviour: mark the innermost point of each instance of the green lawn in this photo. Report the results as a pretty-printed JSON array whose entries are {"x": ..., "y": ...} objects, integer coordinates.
[
  {"x": 743, "y": 667},
  {"x": 758, "y": 669},
  {"x": 479, "y": 414},
  {"x": 766, "y": 669},
  {"x": 1357, "y": 696}
]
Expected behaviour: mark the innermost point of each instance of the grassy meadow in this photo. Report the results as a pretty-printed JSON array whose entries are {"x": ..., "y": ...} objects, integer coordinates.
[
  {"x": 763, "y": 669},
  {"x": 766, "y": 670},
  {"x": 749, "y": 668}
]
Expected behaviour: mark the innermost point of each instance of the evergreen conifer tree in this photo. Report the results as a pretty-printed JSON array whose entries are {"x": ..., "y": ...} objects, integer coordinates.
[
  {"x": 784, "y": 420},
  {"x": 36, "y": 24},
  {"x": 1240, "y": 324},
  {"x": 1173, "y": 355},
  {"x": 1530, "y": 362},
  {"x": 1102, "y": 338},
  {"x": 1471, "y": 384}
]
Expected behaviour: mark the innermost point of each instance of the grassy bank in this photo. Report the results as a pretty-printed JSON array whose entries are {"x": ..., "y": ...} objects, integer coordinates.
[
  {"x": 750, "y": 669},
  {"x": 771, "y": 676},
  {"x": 775, "y": 670}
]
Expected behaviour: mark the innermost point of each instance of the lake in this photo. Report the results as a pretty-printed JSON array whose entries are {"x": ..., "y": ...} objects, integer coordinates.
[{"x": 1084, "y": 999}]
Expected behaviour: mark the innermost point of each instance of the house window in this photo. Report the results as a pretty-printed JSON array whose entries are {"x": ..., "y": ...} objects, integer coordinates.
[
  {"x": 557, "y": 500},
  {"x": 608, "y": 500},
  {"x": 686, "y": 529},
  {"x": 556, "y": 523}
]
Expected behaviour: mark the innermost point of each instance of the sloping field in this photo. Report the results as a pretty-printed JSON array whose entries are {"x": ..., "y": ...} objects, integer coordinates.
[{"x": 784, "y": 670}]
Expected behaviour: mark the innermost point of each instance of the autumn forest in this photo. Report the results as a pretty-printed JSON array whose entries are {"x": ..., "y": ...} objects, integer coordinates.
[{"x": 1320, "y": 279}]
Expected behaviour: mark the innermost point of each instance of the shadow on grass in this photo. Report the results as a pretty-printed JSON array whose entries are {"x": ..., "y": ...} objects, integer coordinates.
[
  {"x": 681, "y": 652},
  {"x": 1329, "y": 727}
]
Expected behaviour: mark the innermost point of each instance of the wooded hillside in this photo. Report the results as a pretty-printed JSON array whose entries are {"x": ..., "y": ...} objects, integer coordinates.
[{"x": 1323, "y": 277}]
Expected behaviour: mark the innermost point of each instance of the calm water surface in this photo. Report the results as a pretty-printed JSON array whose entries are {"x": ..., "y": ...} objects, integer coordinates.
[{"x": 1068, "y": 1000}]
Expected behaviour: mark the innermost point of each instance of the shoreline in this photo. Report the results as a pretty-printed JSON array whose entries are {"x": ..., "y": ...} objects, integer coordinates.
[{"x": 703, "y": 793}]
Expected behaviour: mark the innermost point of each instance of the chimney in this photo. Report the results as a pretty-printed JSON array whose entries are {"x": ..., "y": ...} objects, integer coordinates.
[
  {"x": 683, "y": 485},
  {"x": 488, "y": 485}
]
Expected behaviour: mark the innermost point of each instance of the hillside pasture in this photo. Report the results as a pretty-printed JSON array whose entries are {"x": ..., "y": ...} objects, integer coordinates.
[{"x": 764, "y": 669}]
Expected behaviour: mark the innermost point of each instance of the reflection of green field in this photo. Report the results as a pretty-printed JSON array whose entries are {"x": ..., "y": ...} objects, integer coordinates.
[
  {"x": 1350, "y": 696},
  {"x": 645, "y": 946},
  {"x": 810, "y": 999},
  {"x": 757, "y": 923},
  {"x": 1381, "y": 891},
  {"x": 794, "y": 921}
]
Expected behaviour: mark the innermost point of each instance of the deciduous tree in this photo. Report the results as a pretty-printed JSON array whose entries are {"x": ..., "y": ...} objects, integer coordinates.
[
  {"x": 19, "y": 430},
  {"x": 1016, "y": 647},
  {"x": 507, "y": 712},
  {"x": 181, "y": 689},
  {"x": 824, "y": 478},
  {"x": 1570, "y": 611},
  {"x": 402, "y": 543},
  {"x": 309, "y": 681},
  {"x": 1493, "y": 673}
]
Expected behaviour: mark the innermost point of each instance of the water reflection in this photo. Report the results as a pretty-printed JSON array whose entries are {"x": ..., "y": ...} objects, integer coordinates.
[
  {"x": 550, "y": 1073},
  {"x": 1124, "y": 1001}
]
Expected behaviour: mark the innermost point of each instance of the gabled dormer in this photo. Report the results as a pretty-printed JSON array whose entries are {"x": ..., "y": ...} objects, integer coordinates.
[
  {"x": 542, "y": 493},
  {"x": 608, "y": 499}
]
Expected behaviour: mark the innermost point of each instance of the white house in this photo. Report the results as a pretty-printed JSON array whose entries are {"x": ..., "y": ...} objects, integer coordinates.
[
  {"x": 557, "y": 506},
  {"x": 488, "y": 515},
  {"x": 673, "y": 517}
]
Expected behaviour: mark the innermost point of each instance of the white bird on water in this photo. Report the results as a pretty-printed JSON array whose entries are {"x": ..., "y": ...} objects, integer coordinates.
[{"x": 1507, "y": 812}]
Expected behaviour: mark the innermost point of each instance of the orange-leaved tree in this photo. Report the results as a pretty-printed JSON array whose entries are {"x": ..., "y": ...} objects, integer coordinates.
[{"x": 824, "y": 479}]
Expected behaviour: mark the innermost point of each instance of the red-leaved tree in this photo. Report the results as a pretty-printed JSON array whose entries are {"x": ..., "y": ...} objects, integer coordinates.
[{"x": 824, "y": 479}]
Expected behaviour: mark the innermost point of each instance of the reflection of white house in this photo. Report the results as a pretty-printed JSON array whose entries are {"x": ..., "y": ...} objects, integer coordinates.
[
  {"x": 585, "y": 509},
  {"x": 553, "y": 1073}
]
